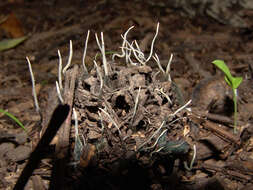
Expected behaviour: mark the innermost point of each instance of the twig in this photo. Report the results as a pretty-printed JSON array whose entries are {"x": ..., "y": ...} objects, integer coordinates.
[{"x": 227, "y": 135}]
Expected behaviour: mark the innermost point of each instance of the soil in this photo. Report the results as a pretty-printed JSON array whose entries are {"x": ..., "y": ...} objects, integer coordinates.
[{"x": 132, "y": 132}]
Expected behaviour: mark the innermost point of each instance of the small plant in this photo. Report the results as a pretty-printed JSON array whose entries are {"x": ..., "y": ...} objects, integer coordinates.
[
  {"x": 233, "y": 82},
  {"x": 13, "y": 118}
]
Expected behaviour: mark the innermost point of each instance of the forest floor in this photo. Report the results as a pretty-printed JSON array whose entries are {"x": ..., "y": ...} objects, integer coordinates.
[{"x": 117, "y": 158}]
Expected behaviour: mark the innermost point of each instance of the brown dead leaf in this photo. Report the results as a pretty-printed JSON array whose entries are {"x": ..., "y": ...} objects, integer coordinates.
[{"x": 12, "y": 26}]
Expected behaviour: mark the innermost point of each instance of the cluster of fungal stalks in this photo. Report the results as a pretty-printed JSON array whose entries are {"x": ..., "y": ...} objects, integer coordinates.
[{"x": 124, "y": 111}]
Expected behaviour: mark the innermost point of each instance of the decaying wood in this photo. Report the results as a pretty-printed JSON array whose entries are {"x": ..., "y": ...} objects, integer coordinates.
[
  {"x": 62, "y": 146},
  {"x": 218, "y": 118},
  {"x": 216, "y": 129},
  {"x": 231, "y": 173},
  {"x": 37, "y": 183},
  {"x": 227, "y": 135}
]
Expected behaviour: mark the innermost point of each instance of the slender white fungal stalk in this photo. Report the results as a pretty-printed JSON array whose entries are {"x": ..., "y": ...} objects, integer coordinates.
[
  {"x": 165, "y": 95},
  {"x": 100, "y": 77},
  {"x": 151, "y": 136},
  {"x": 168, "y": 68},
  {"x": 152, "y": 44},
  {"x": 108, "y": 115},
  {"x": 123, "y": 45},
  {"x": 156, "y": 151},
  {"x": 102, "y": 50},
  {"x": 33, "y": 86},
  {"x": 181, "y": 108},
  {"x": 141, "y": 54},
  {"x": 102, "y": 124},
  {"x": 142, "y": 62},
  {"x": 60, "y": 70},
  {"x": 76, "y": 122},
  {"x": 193, "y": 159},
  {"x": 70, "y": 57},
  {"x": 157, "y": 60},
  {"x": 59, "y": 92},
  {"x": 138, "y": 54},
  {"x": 128, "y": 55},
  {"x": 157, "y": 140},
  {"x": 136, "y": 104},
  {"x": 78, "y": 149},
  {"x": 84, "y": 52}
]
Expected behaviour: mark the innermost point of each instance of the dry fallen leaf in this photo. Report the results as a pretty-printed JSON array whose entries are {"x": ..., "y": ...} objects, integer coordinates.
[{"x": 12, "y": 26}]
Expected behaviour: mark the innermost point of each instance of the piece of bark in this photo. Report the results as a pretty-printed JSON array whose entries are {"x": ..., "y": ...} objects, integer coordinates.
[
  {"x": 62, "y": 146},
  {"x": 37, "y": 183}
]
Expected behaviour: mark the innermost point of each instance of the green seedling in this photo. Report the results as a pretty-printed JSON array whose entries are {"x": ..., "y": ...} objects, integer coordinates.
[
  {"x": 13, "y": 118},
  {"x": 233, "y": 82}
]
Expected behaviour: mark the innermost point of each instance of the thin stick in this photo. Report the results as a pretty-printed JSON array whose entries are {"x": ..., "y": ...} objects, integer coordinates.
[{"x": 33, "y": 87}]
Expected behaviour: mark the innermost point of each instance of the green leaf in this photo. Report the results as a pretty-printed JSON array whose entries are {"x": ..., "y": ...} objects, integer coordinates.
[
  {"x": 13, "y": 118},
  {"x": 222, "y": 66},
  {"x": 228, "y": 81},
  {"x": 236, "y": 81},
  {"x": 11, "y": 43}
]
